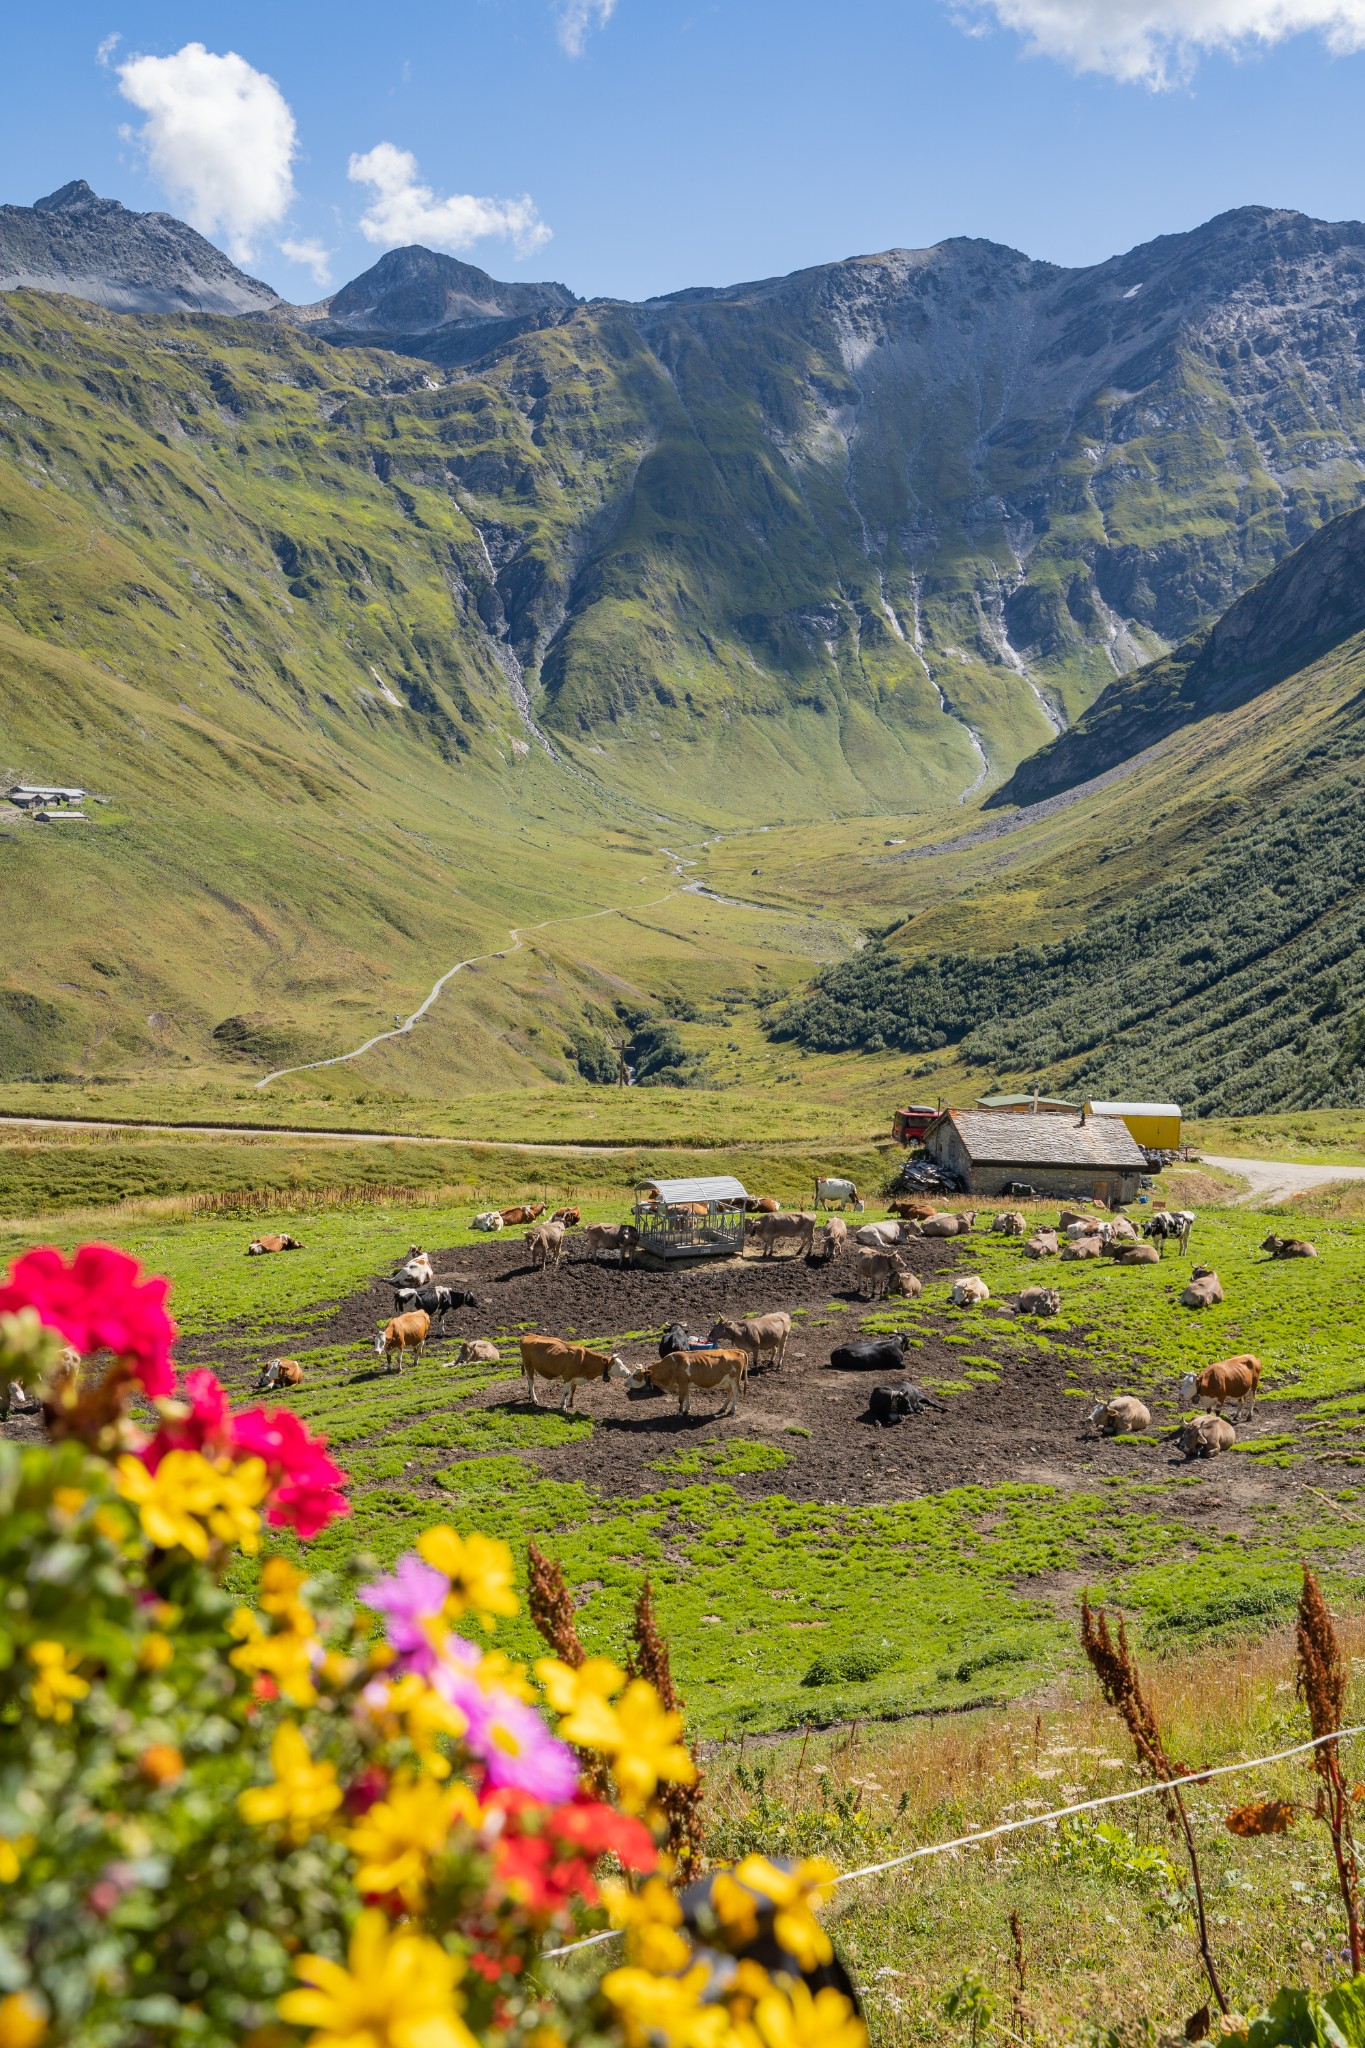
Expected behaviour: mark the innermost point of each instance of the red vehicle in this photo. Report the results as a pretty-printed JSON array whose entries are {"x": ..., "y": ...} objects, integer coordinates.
[{"x": 908, "y": 1126}]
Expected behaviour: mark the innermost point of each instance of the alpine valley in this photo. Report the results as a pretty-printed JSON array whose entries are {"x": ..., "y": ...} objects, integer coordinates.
[{"x": 392, "y": 627}]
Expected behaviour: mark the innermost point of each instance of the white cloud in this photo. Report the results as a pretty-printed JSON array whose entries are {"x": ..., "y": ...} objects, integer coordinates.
[
  {"x": 577, "y": 18},
  {"x": 220, "y": 137},
  {"x": 107, "y": 47},
  {"x": 1159, "y": 42},
  {"x": 403, "y": 210},
  {"x": 313, "y": 255}
]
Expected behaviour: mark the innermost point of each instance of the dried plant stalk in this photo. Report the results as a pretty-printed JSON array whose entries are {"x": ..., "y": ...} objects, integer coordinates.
[
  {"x": 1322, "y": 1677},
  {"x": 681, "y": 1804},
  {"x": 1121, "y": 1686},
  {"x": 551, "y": 1605}
]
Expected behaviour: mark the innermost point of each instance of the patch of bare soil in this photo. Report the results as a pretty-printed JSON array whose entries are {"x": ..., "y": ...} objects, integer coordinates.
[{"x": 1024, "y": 1426}]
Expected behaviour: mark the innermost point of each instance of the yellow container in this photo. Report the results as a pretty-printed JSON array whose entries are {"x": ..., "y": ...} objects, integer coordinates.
[{"x": 1153, "y": 1124}]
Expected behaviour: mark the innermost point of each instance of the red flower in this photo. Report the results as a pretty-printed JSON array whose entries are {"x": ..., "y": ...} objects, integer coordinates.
[
  {"x": 542, "y": 1883},
  {"x": 207, "y": 1427},
  {"x": 594, "y": 1830},
  {"x": 304, "y": 1495},
  {"x": 98, "y": 1303}
]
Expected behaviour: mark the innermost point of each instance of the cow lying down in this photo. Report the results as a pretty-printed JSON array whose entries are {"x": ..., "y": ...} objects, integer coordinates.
[
  {"x": 887, "y": 1405},
  {"x": 871, "y": 1354}
]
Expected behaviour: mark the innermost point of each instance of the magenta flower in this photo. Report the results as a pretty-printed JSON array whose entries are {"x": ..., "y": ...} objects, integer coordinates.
[
  {"x": 409, "y": 1598},
  {"x": 99, "y": 1302},
  {"x": 515, "y": 1747}
]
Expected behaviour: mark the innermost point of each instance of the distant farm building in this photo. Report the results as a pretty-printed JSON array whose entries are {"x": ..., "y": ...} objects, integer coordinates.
[
  {"x": 993, "y": 1150},
  {"x": 34, "y": 796},
  {"x": 1024, "y": 1105},
  {"x": 1155, "y": 1125}
]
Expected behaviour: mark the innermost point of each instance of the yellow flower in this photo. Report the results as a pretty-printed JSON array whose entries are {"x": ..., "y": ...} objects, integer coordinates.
[
  {"x": 567, "y": 1689},
  {"x": 651, "y": 1917},
  {"x": 425, "y": 1716},
  {"x": 68, "y": 1500},
  {"x": 241, "y": 1489},
  {"x": 798, "y": 2019},
  {"x": 648, "y": 1748},
  {"x": 479, "y": 1569},
  {"x": 187, "y": 1499},
  {"x": 55, "y": 1684},
  {"x": 155, "y": 1651},
  {"x": 667, "y": 2009},
  {"x": 795, "y": 1893},
  {"x": 735, "y": 1908},
  {"x": 23, "y": 2022},
  {"x": 304, "y": 1795},
  {"x": 396, "y": 1990},
  {"x": 396, "y": 1838},
  {"x": 279, "y": 1596},
  {"x": 497, "y": 1673},
  {"x": 287, "y": 1657},
  {"x": 12, "y": 1853}
]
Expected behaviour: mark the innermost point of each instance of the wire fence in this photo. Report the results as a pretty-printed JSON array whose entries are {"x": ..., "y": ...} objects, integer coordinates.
[{"x": 1034, "y": 1820}]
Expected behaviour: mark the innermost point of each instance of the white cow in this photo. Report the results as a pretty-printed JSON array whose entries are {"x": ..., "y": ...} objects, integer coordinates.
[{"x": 828, "y": 1192}]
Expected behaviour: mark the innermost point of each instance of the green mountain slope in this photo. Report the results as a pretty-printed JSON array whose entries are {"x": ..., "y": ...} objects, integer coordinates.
[{"x": 1206, "y": 904}]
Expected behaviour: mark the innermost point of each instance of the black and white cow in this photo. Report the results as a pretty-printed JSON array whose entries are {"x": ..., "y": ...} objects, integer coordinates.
[
  {"x": 437, "y": 1301},
  {"x": 1177, "y": 1223}
]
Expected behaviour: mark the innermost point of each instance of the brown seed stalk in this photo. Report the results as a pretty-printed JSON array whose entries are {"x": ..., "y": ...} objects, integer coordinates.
[
  {"x": 681, "y": 1804},
  {"x": 551, "y": 1606},
  {"x": 1322, "y": 1677},
  {"x": 1121, "y": 1685}
]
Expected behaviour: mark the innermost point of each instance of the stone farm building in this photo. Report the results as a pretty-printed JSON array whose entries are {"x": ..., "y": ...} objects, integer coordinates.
[{"x": 1075, "y": 1157}]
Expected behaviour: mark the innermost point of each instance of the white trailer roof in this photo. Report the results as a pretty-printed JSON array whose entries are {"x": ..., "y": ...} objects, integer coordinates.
[
  {"x": 1133, "y": 1108},
  {"x": 718, "y": 1187}
]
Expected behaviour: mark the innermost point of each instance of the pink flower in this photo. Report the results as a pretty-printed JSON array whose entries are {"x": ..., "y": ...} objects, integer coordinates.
[
  {"x": 516, "y": 1749},
  {"x": 305, "y": 1487},
  {"x": 207, "y": 1428},
  {"x": 410, "y": 1596},
  {"x": 98, "y": 1303}
]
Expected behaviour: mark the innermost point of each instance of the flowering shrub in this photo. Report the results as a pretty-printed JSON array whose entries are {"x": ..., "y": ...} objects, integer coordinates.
[{"x": 304, "y": 1821}]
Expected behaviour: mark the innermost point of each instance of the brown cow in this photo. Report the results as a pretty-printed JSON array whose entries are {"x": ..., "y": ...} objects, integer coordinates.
[
  {"x": 919, "y": 1212},
  {"x": 1042, "y": 1245},
  {"x": 877, "y": 1270},
  {"x": 568, "y": 1217},
  {"x": 1231, "y": 1379},
  {"x": 1205, "y": 1436},
  {"x": 478, "y": 1351},
  {"x": 404, "y": 1333},
  {"x": 1133, "y": 1254},
  {"x": 550, "y": 1358},
  {"x": 524, "y": 1212},
  {"x": 755, "y": 1335},
  {"x": 769, "y": 1231},
  {"x": 547, "y": 1245},
  {"x": 281, "y": 1372},
  {"x": 946, "y": 1224},
  {"x": 714, "y": 1371},
  {"x": 1204, "y": 1291},
  {"x": 1288, "y": 1247},
  {"x": 1083, "y": 1248},
  {"x": 621, "y": 1238},
  {"x": 273, "y": 1241},
  {"x": 1040, "y": 1301},
  {"x": 835, "y": 1241}
]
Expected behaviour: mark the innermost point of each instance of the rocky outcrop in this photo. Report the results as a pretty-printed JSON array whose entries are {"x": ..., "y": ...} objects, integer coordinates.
[
  {"x": 91, "y": 248},
  {"x": 1310, "y": 603}
]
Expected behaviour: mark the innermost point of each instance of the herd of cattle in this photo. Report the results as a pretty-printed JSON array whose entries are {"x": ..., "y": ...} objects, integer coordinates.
[{"x": 721, "y": 1362}]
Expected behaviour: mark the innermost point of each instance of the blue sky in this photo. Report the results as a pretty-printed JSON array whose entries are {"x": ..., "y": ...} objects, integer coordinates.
[{"x": 637, "y": 146}]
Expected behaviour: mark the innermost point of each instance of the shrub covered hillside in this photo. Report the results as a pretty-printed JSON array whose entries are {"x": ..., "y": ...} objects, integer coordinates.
[{"x": 1237, "y": 986}]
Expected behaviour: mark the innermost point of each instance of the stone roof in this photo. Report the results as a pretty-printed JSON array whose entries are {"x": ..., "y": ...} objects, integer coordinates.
[{"x": 1000, "y": 1138}]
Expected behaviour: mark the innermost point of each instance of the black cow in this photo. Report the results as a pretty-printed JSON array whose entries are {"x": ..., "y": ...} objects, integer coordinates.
[
  {"x": 886, "y": 1405},
  {"x": 871, "y": 1354},
  {"x": 676, "y": 1337},
  {"x": 437, "y": 1301}
]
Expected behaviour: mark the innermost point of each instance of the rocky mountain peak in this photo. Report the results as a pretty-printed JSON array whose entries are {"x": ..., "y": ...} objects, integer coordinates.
[
  {"x": 76, "y": 197},
  {"x": 420, "y": 302},
  {"x": 75, "y": 242}
]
